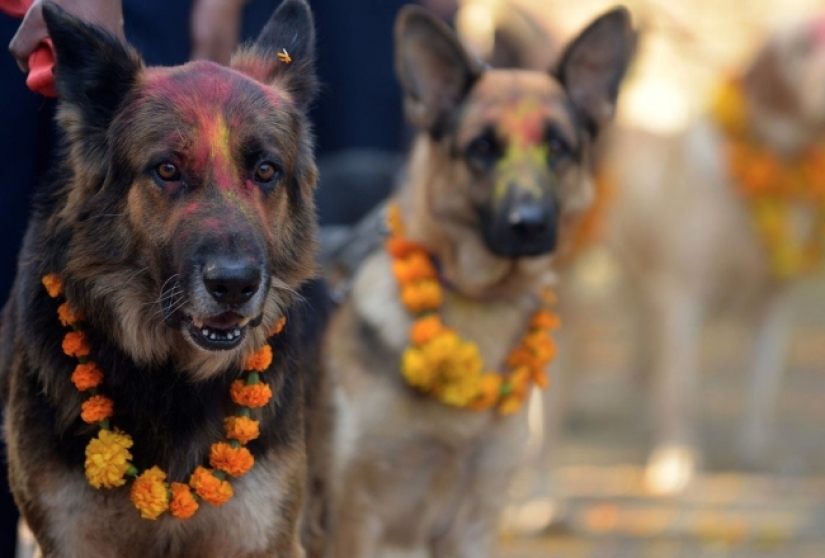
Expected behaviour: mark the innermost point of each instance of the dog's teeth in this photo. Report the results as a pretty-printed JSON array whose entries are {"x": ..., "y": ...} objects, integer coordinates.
[
  {"x": 237, "y": 331},
  {"x": 243, "y": 322},
  {"x": 212, "y": 336},
  {"x": 205, "y": 332}
]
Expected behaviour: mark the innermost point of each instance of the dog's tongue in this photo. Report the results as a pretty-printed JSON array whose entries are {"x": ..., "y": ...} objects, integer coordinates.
[{"x": 223, "y": 321}]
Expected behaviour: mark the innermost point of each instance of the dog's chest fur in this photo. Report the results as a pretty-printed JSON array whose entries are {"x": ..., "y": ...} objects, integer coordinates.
[{"x": 416, "y": 456}]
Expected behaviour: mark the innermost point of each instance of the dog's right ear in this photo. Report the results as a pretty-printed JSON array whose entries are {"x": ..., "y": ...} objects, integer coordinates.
[
  {"x": 284, "y": 52},
  {"x": 94, "y": 70},
  {"x": 434, "y": 69}
]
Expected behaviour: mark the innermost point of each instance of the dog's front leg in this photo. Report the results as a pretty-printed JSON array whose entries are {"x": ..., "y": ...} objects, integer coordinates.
[
  {"x": 357, "y": 530},
  {"x": 676, "y": 314},
  {"x": 769, "y": 352}
]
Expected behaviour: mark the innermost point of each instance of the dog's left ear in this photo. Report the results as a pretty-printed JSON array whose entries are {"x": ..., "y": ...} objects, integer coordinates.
[
  {"x": 284, "y": 52},
  {"x": 593, "y": 66}
]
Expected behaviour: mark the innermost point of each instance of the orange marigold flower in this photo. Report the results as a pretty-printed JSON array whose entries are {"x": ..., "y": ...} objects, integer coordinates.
[
  {"x": 519, "y": 381},
  {"x": 183, "y": 504},
  {"x": 277, "y": 328},
  {"x": 400, "y": 247},
  {"x": 522, "y": 356},
  {"x": 86, "y": 376},
  {"x": 212, "y": 489},
  {"x": 420, "y": 296},
  {"x": 259, "y": 360},
  {"x": 107, "y": 459},
  {"x": 242, "y": 429},
  {"x": 394, "y": 221},
  {"x": 256, "y": 395},
  {"x": 417, "y": 266},
  {"x": 489, "y": 390},
  {"x": 425, "y": 329},
  {"x": 149, "y": 493},
  {"x": 510, "y": 405},
  {"x": 67, "y": 315},
  {"x": 540, "y": 378},
  {"x": 53, "y": 284},
  {"x": 97, "y": 408},
  {"x": 75, "y": 344},
  {"x": 232, "y": 461},
  {"x": 542, "y": 346},
  {"x": 544, "y": 320}
]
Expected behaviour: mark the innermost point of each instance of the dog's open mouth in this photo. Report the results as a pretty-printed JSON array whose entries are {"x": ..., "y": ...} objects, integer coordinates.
[{"x": 218, "y": 333}]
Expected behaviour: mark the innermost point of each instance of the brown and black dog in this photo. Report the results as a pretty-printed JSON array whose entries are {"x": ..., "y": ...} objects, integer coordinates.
[
  {"x": 497, "y": 176},
  {"x": 181, "y": 222}
]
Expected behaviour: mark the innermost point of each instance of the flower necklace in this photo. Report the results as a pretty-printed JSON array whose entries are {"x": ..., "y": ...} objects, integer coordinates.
[
  {"x": 773, "y": 186},
  {"x": 439, "y": 362},
  {"x": 108, "y": 457}
]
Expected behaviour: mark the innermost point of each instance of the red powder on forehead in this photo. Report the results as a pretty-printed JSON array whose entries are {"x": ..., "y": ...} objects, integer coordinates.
[{"x": 523, "y": 121}]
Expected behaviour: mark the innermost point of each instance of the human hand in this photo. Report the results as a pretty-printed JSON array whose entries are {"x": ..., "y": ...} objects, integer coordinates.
[
  {"x": 216, "y": 27},
  {"x": 106, "y": 13}
]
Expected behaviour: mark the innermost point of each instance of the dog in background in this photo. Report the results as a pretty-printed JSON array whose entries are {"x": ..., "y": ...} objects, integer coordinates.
[
  {"x": 693, "y": 244},
  {"x": 180, "y": 221},
  {"x": 410, "y": 472}
]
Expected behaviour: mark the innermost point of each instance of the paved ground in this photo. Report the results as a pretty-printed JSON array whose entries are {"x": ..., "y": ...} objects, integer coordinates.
[{"x": 775, "y": 511}]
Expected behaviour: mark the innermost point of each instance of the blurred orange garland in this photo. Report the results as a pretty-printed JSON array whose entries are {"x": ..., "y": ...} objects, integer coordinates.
[
  {"x": 108, "y": 459},
  {"x": 773, "y": 186},
  {"x": 441, "y": 363}
]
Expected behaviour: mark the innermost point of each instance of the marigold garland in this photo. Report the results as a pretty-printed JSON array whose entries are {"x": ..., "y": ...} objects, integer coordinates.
[
  {"x": 108, "y": 459},
  {"x": 772, "y": 186},
  {"x": 439, "y": 362}
]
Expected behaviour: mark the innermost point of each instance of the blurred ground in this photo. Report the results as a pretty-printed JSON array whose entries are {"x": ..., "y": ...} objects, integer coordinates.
[{"x": 776, "y": 511}]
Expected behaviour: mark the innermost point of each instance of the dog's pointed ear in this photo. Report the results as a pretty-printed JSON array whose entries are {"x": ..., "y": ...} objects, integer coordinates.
[
  {"x": 593, "y": 66},
  {"x": 94, "y": 71},
  {"x": 284, "y": 52},
  {"x": 434, "y": 69}
]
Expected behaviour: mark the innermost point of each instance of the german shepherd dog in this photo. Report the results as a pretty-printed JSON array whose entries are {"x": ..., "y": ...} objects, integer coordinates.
[
  {"x": 181, "y": 221},
  {"x": 410, "y": 473}
]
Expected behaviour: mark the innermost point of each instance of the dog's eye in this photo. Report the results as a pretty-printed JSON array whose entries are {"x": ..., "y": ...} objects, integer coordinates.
[
  {"x": 483, "y": 149},
  {"x": 168, "y": 172},
  {"x": 557, "y": 147},
  {"x": 266, "y": 171}
]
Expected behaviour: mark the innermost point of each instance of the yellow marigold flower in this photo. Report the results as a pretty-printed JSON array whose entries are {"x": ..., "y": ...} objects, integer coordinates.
[
  {"x": 394, "y": 222},
  {"x": 453, "y": 358},
  {"x": 421, "y": 295},
  {"x": 97, "y": 408},
  {"x": 253, "y": 396},
  {"x": 150, "y": 494},
  {"x": 232, "y": 461},
  {"x": 183, "y": 504},
  {"x": 260, "y": 359},
  {"x": 242, "y": 429},
  {"x": 75, "y": 344},
  {"x": 416, "y": 266},
  {"x": 489, "y": 390},
  {"x": 544, "y": 319},
  {"x": 107, "y": 459},
  {"x": 212, "y": 489},
  {"x": 277, "y": 328},
  {"x": 509, "y": 405},
  {"x": 67, "y": 315},
  {"x": 426, "y": 329},
  {"x": 86, "y": 376},
  {"x": 53, "y": 284},
  {"x": 459, "y": 392},
  {"x": 417, "y": 369}
]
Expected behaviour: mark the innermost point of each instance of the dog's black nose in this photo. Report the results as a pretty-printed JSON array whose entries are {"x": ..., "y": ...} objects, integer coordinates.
[
  {"x": 231, "y": 281},
  {"x": 529, "y": 221}
]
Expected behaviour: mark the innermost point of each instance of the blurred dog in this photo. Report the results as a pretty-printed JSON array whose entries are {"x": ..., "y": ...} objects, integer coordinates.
[
  {"x": 498, "y": 174},
  {"x": 709, "y": 220},
  {"x": 180, "y": 221}
]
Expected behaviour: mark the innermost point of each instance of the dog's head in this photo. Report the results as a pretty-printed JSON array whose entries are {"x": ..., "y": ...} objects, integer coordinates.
[
  {"x": 786, "y": 86},
  {"x": 192, "y": 192},
  {"x": 506, "y": 149}
]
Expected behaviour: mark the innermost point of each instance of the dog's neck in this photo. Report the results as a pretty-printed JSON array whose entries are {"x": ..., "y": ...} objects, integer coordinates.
[{"x": 452, "y": 237}]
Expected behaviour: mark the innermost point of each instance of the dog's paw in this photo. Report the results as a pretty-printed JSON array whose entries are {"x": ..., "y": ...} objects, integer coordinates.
[{"x": 670, "y": 470}]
